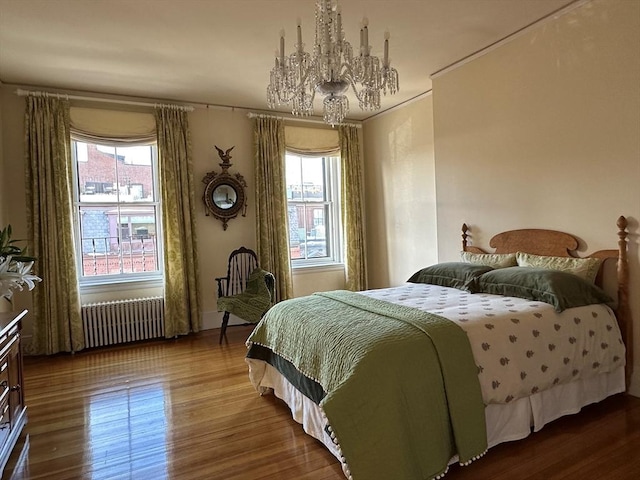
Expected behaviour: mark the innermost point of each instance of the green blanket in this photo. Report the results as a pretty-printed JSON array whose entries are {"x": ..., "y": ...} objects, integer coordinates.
[
  {"x": 402, "y": 388},
  {"x": 251, "y": 304}
]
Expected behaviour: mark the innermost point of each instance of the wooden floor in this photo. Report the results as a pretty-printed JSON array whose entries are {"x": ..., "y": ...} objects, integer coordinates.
[{"x": 184, "y": 409}]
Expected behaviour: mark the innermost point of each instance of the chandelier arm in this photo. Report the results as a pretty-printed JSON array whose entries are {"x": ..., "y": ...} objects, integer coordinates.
[
  {"x": 348, "y": 76},
  {"x": 360, "y": 94},
  {"x": 313, "y": 94},
  {"x": 355, "y": 90},
  {"x": 304, "y": 78}
]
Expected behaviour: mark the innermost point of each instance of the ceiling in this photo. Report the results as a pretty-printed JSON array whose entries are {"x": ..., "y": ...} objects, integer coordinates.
[{"x": 220, "y": 52}]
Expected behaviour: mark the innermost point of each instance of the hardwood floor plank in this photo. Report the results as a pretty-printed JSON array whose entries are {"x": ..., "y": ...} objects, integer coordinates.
[{"x": 185, "y": 409}]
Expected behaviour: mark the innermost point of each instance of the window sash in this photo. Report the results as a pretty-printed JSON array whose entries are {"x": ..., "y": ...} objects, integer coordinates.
[
  {"x": 310, "y": 246},
  {"x": 139, "y": 250}
]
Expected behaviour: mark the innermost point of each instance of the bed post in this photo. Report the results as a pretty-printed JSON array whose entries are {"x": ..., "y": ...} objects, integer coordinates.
[
  {"x": 465, "y": 243},
  {"x": 623, "y": 311},
  {"x": 464, "y": 237}
]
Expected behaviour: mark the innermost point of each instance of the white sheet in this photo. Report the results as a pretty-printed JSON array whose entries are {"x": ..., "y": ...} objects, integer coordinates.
[{"x": 521, "y": 347}]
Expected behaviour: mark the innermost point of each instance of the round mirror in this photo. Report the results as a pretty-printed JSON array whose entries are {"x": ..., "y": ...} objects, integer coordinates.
[{"x": 225, "y": 196}]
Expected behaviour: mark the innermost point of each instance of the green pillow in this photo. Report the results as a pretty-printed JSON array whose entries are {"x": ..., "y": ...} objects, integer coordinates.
[
  {"x": 560, "y": 289},
  {"x": 495, "y": 260},
  {"x": 452, "y": 274}
]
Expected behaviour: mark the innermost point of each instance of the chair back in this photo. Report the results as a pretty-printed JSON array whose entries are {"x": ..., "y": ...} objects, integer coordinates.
[{"x": 242, "y": 262}]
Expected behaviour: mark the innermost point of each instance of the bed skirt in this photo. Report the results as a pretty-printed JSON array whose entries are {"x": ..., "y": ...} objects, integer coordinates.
[{"x": 505, "y": 422}]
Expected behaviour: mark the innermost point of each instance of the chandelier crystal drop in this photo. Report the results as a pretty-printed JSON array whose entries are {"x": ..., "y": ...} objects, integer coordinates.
[{"x": 330, "y": 69}]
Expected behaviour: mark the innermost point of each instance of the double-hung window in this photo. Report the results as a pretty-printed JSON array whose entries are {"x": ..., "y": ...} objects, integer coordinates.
[
  {"x": 117, "y": 213},
  {"x": 313, "y": 205}
]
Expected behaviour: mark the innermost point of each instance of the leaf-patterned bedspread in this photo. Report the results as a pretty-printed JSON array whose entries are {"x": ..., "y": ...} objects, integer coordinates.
[{"x": 521, "y": 347}]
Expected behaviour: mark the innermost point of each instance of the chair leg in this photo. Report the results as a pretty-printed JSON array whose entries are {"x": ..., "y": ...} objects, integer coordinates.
[{"x": 223, "y": 329}]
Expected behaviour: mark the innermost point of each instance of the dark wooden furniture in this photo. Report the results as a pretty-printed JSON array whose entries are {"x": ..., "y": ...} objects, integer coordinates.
[{"x": 13, "y": 412}]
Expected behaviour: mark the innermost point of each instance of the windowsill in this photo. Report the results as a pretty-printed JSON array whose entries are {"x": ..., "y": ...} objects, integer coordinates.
[
  {"x": 317, "y": 268},
  {"x": 121, "y": 285}
]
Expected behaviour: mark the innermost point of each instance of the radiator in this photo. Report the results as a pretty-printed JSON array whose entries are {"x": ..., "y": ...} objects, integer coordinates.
[{"x": 122, "y": 321}]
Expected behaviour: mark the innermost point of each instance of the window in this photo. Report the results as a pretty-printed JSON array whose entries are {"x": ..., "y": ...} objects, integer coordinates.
[
  {"x": 117, "y": 213},
  {"x": 313, "y": 206}
]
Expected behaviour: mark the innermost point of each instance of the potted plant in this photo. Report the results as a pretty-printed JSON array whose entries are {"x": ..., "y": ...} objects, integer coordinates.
[{"x": 15, "y": 266}]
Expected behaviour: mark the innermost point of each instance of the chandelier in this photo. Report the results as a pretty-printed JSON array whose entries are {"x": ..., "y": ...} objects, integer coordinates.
[{"x": 330, "y": 70}]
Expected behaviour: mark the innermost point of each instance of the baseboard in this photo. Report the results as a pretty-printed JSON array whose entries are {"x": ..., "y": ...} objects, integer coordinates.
[
  {"x": 634, "y": 388},
  {"x": 213, "y": 319}
]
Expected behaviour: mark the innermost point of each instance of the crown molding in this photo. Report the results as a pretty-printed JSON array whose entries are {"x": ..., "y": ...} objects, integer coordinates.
[{"x": 509, "y": 38}]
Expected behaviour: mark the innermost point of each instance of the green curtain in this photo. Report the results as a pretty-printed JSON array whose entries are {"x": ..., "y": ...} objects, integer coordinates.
[
  {"x": 182, "y": 305},
  {"x": 57, "y": 324},
  {"x": 271, "y": 200},
  {"x": 352, "y": 193}
]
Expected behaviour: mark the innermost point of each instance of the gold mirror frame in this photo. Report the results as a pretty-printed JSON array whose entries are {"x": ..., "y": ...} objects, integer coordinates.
[{"x": 224, "y": 195}]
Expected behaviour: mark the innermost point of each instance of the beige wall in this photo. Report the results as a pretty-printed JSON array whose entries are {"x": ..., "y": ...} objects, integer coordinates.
[
  {"x": 544, "y": 132},
  {"x": 2, "y": 186},
  {"x": 400, "y": 193},
  {"x": 4, "y": 305},
  {"x": 12, "y": 193},
  {"x": 209, "y": 127}
]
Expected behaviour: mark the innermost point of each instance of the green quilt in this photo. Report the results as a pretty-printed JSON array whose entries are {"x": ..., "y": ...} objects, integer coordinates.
[
  {"x": 251, "y": 304},
  {"x": 402, "y": 388}
]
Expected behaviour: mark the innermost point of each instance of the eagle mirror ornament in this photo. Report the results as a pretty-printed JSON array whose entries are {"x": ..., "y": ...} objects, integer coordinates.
[{"x": 224, "y": 194}]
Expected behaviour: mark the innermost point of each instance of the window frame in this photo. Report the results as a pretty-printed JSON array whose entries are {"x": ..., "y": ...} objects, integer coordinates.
[
  {"x": 331, "y": 174},
  {"x": 114, "y": 282}
]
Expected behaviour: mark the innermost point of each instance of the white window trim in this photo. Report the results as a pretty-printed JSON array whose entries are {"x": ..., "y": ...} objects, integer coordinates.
[
  {"x": 329, "y": 267},
  {"x": 332, "y": 184},
  {"x": 126, "y": 281},
  {"x": 122, "y": 286}
]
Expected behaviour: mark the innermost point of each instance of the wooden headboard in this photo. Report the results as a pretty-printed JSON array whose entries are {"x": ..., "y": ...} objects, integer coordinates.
[{"x": 560, "y": 244}]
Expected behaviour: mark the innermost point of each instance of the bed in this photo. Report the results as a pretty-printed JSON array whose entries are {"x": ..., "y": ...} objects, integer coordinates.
[{"x": 402, "y": 382}]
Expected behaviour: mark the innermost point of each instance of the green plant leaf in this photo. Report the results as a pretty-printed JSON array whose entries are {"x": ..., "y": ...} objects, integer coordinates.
[{"x": 8, "y": 245}]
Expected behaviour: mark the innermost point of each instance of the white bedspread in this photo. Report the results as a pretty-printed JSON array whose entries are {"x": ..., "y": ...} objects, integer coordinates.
[{"x": 521, "y": 347}]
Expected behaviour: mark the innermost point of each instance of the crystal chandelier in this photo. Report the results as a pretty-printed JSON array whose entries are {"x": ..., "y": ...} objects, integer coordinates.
[{"x": 330, "y": 70}]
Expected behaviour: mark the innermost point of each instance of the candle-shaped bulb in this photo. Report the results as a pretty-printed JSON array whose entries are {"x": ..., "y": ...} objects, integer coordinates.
[
  {"x": 282, "y": 46},
  {"x": 385, "y": 62},
  {"x": 299, "y": 35},
  {"x": 365, "y": 36}
]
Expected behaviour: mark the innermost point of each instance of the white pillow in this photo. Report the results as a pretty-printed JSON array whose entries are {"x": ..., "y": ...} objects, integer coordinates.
[
  {"x": 494, "y": 260},
  {"x": 586, "y": 268}
]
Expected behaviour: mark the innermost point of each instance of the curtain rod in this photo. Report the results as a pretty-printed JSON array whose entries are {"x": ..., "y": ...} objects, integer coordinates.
[
  {"x": 298, "y": 119},
  {"x": 23, "y": 93}
]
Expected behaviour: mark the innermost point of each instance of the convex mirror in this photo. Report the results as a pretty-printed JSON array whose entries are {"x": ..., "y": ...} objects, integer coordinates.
[{"x": 224, "y": 194}]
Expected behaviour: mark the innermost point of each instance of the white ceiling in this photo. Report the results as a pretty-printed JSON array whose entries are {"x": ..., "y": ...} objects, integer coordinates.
[{"x": 220, "y": 52}]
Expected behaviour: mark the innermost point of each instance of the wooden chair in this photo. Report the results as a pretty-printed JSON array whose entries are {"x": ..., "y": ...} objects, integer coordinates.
[{"x": 247, "y": 291}]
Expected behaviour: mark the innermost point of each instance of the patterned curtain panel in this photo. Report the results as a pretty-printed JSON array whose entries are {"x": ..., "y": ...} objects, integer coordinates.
[
  {"x": 352, "y": 191},
  {"x": 271, "y": 195},
  {"x": 49, "y": 174},
  {"x": 182, "y": 305}
]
